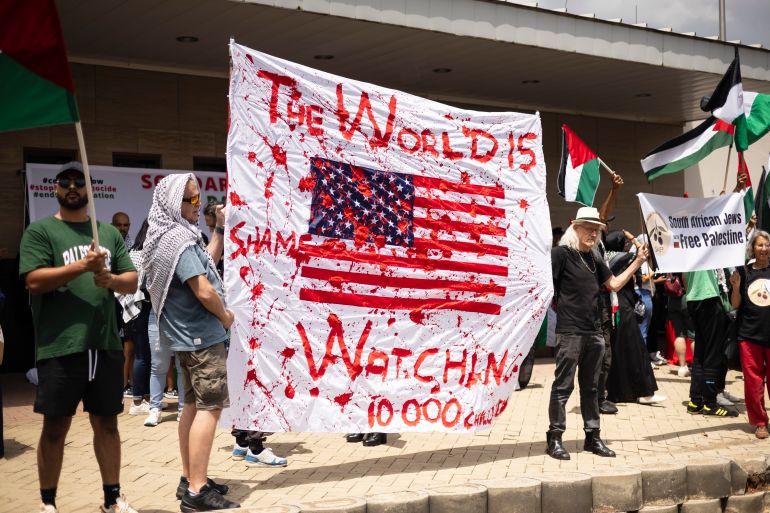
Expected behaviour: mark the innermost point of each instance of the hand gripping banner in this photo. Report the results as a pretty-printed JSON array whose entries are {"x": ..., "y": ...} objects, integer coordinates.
[{"x": 387, "y": 256}]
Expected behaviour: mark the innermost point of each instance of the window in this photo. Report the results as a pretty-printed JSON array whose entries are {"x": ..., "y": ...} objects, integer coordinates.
[
  {"x": 216, "y": 164},
  {"x": 48, "y": 156},
  {"x": 140, "y": 160}
]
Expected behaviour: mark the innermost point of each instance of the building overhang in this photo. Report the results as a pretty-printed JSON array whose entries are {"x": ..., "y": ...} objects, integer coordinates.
[{"x": 478, "y": 53}]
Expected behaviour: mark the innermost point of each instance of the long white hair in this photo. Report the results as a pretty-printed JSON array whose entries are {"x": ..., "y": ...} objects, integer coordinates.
[{"x": 570, "y": 238}]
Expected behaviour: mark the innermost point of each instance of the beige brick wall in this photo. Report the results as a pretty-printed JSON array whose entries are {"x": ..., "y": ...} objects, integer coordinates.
[{"x": 180, "y": 116}]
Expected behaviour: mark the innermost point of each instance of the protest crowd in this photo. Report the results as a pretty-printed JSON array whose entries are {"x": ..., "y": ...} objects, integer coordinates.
[{"x": 138, "y": 325}]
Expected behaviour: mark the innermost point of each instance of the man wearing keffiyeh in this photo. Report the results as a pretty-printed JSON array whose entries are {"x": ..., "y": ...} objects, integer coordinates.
[{"x": 186, "y": 294}]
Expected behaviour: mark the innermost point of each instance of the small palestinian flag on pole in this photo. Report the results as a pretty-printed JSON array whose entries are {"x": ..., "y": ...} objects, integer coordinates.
[
  {"x": 748, "y": 192},
  {"x": 35, "y": 82},
  {"x": 578, "y": 178},
  {"x": 726, "y": 103},
  {"x": 688, "y": 149}
]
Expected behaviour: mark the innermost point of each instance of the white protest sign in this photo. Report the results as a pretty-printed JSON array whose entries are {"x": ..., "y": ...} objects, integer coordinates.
[
  {"x": 388, "y": 257},
  {"x": 117, "y": 189},
  {"x": 695, "y": 234}
]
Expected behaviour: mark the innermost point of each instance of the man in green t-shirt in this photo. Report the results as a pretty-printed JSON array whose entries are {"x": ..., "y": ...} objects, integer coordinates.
[{"x": 79, "y": 354}]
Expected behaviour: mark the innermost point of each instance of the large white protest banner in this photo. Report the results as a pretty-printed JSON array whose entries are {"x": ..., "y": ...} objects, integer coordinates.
[
  {"x": 388, "y": 257},
  {"x": 695, "y": 234},
  {"x": 116, "y": 189}
]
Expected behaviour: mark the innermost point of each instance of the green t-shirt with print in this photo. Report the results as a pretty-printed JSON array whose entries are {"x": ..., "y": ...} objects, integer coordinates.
[{"x": 79, "y": 315}]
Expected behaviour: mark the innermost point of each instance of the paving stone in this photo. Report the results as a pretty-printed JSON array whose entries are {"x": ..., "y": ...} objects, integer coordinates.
[
  {"x": 266, "y": 509},
  {"x": 616, "y": 489},
  {"x": 664, "y": 483},
  {"x": 702, "y": 506},
  {"x": 743, "y": 467},
  {"x": 340, "y": 505},
  {"x": 708, "y": 478},
  {"x": 461, "y": 498},
  {"x": 513, "y": 495},
  {"x": 666, "y": 508},
  {"x": 565, "y": 491},
  {"x": 748, "y": 503},
  {"x": 407, "y": 501}
]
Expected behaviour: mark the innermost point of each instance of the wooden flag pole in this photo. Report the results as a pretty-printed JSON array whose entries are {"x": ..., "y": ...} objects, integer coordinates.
[
  {"x": 727, "y": 169},
  {"x": 89, "y": 189},
  {"x": 605, "y": 166}
]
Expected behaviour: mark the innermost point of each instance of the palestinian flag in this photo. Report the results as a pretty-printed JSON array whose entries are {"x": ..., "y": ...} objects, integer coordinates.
[
  {"x": 35, "y": 83},
  {"x": 726, "y": 103},
  {"x": 748, "y": 192},
  {"x": 688, "y": 149},
  {"x": 579, "y": 171},
  {"x": 762, "y": 202},
  {"x": 757, "y": 110}
]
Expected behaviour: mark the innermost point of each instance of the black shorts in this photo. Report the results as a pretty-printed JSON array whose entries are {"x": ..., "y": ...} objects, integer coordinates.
[{"x": 63, "y": 382}]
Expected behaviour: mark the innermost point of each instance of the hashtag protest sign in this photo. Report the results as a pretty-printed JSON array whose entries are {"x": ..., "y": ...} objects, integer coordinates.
[{"x": 387, "y": 256}]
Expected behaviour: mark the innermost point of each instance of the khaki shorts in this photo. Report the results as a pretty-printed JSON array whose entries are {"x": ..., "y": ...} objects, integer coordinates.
[{"x": 204, "y": 375}]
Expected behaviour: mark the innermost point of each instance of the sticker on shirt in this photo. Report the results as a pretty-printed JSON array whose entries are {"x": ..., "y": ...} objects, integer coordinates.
[{"x": 759, "y": 292}]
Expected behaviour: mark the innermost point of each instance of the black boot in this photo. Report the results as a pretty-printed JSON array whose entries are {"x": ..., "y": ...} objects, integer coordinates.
[
  {"x": 555, "y": 449},
  {"x": 595, "y": 445},
  {"x": 354, "y": 437},
  {"x": 372, "y": 439},
  {"x": 607, "y": 407}
]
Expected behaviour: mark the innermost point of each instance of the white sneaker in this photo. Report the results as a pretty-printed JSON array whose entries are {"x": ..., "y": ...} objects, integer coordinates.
[
  {"x": 47, "y": 508},
  {"x": 683, "y": 372},
  {"x": 122, "y": 506},
  {"x": 266, "y": 458},
  {"x": 154, "y": 418},
  {"x": 652, "y": 399},
  {"x": 722, "y": 400},
  {"x": 731, "y": 397},
  {"x": 137, "y": 409}
]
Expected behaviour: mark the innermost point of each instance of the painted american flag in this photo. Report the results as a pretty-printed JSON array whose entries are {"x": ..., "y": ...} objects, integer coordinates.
[{"x": 394, "y": 241}]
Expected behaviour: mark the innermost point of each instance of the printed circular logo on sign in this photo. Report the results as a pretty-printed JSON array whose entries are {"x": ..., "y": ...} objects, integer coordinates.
[
  {"x": 759, "y": 292},
  {"x": 660, "y": 236}
]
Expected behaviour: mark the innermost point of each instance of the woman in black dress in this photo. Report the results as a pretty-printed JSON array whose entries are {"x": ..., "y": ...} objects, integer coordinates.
[{"x": 631, "y": 378}]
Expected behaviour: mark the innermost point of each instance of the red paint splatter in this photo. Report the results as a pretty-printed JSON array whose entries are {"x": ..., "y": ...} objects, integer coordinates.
[
  {"x": 250, "y": 58},
  {"x": 523, "y": 204},
  {"x": 244, "y": 271},
  {"x": 336, "y": 281},
  {"x": 459, "y": 319},
  {"x": 343, "y": 400},
  {"x": 279, "y": 154},
  {"x": 314, "y": 392},
  {"x": 236, "y": 200},
  {"x": 288, "y": 352},
  {"x": 268, "y": 185},
  {"x": 289, "y": 391},
  {"x": 253, "y": 344},
  {"x": 436, "y": 389},
  {"x": 391, "y": 321},
  {"x": 417, "y": 316},
  {"x": 465, "y": 177},
  {"x": 252, "y": 157},
  {"x": 251, "y": 377},
  {"x": 256, "y": 291}
]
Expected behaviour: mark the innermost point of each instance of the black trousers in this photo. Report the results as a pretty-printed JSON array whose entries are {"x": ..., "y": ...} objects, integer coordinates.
[
  {"x": 581, "y": 353},
  {"x": 709, "y": 362},
  {"x": 604, "y": 370}
]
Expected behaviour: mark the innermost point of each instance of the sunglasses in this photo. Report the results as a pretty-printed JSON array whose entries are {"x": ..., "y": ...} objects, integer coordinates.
[
  {"x": 66, "y": 182},
  {"x": 194, "y": 201}
]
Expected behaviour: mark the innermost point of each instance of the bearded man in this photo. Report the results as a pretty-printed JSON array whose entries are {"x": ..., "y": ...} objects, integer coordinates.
[{"x": 79, "y": 354}]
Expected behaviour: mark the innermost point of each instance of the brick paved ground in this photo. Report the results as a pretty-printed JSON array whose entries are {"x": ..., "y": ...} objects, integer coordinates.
[{"x": 323, "y": 465}]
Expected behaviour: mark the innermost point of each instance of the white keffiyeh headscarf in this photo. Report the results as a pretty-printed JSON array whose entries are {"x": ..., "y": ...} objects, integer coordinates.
[{"x": 168, "y": 235}]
